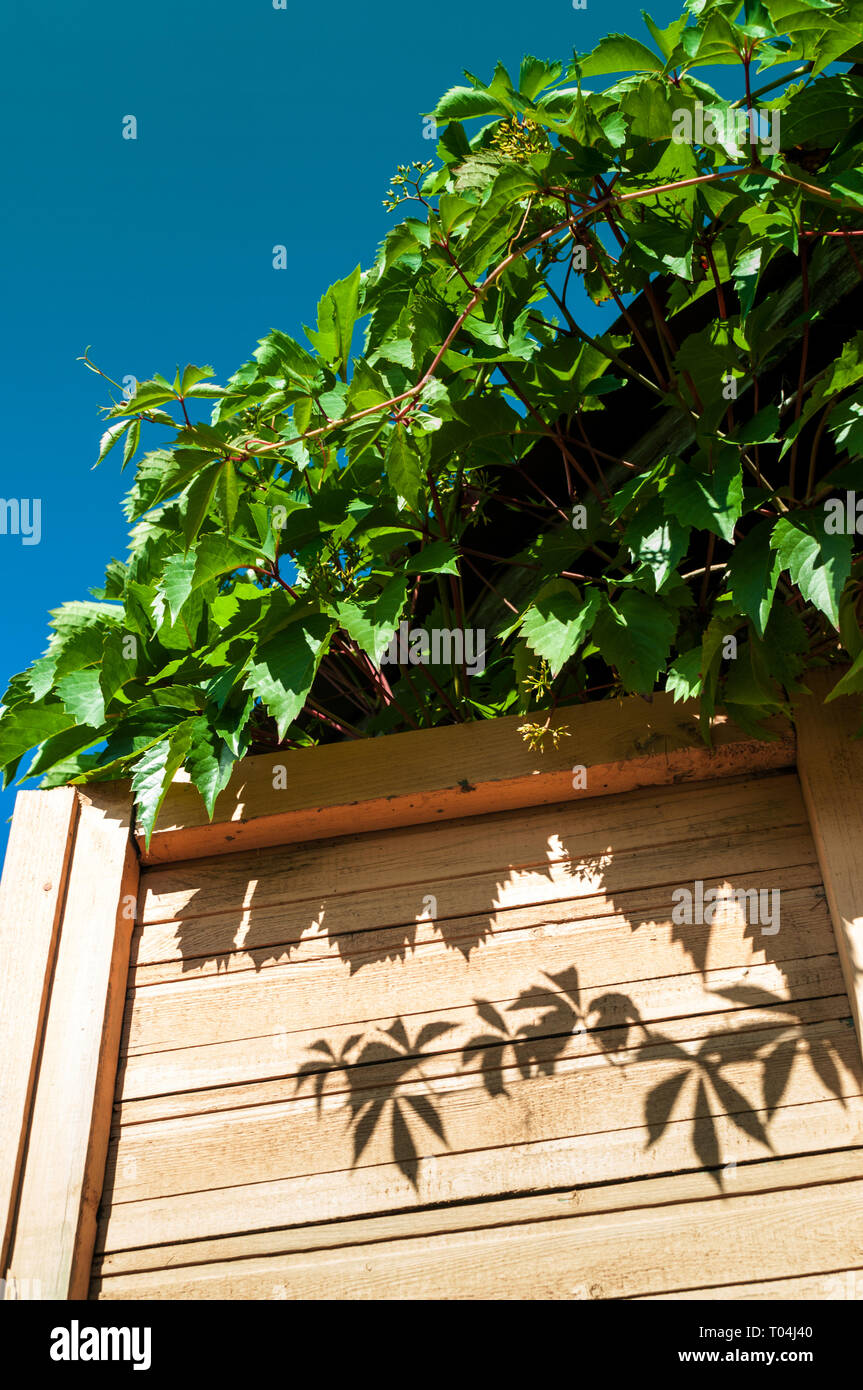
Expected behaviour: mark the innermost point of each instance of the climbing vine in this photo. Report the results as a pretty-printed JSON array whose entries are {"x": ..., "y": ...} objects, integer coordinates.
[{"x": 447, "y": 453}]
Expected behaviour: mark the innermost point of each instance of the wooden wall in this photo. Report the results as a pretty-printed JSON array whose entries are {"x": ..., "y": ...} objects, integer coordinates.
[{"x": 478, "y": 1058}]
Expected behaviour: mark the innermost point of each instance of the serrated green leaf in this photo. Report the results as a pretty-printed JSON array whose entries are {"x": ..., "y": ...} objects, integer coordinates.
[
  {"x": 818, "y": 563},
  {"x": 437, "y": 558},
  {"x": 558, "y": 620},
  {"x": 282, "y": 670},
  {"x": 707, "y": 501},
  {"x": 373, "y": 625},
  {"x": 634, "y": 634},
  {"x": 753, "y": 574},
  {"x": 153, "y": 773},
  {"x": 404, "y": 468},
  {"x": 112, "y": 436},
  {"x": 209, "y": 762},
  {"x": 619, "y": 53},
  {"x": 81, "y": 693}
]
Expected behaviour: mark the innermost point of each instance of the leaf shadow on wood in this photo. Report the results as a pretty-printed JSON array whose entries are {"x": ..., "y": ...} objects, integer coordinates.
[
  {"x": 391, "y": 1081},
  {"x": 371, "y": 925},
  {"x": 560, "y": 863}
]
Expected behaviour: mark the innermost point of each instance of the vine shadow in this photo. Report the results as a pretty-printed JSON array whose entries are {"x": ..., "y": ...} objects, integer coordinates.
[{"x": 506, "y": 1047}]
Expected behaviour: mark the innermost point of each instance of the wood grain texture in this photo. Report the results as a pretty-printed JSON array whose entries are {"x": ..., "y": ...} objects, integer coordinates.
[
  {"x": 838, "y": 1285},
  {"x": 567, "y": 1171},
  {"x": 567, "y": 1190},
  {"x": 581, "y": 1094},
  {"x": 822, "y": 974},
  {"x": 220, "y": 1075},
  {"x": 830, "y": 763},
  {"x": 575, "y": 843},
  {"x": 464, "y": 769},
  {"x": 31, "y": 902},
  {"x": 64, "y": 1168},
  {"x": 796, "y": 1218},
  {"x": 253, "y": 940},
  {"x": 284, "y": 1001}
]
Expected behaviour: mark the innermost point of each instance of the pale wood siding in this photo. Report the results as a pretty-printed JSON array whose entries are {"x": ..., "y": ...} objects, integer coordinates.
[{"x": 479, "y": 1058}]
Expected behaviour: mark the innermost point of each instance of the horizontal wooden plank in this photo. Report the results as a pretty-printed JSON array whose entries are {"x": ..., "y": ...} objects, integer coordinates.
[
  {"x": 585, "y": 1094},
  {"x": 263, "y": 1071},
  {"x": 606, "y": 951},
  {"x": 485, "y": 908},
  {"x": 577, "y": 840},
  {"x": 261, "y": 931},
  {"x": 465, "y": 769},
  {"x": 289, "y": 1208},
  {"x": 217, "y": 1075},
  {"x": 469, "y": 932},
  {"x": 31, "y": 903},
  {"x": 636, "y": 1251},
  {"x": 585, "y": 1200}
]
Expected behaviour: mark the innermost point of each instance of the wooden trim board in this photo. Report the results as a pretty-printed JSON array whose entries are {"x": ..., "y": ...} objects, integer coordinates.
[
  {"x": 51, "y": 1246},
  {"x": 31, "y": 902},
  {"x": 458, "y": 770},
  {"x": 830, "y": 767}
]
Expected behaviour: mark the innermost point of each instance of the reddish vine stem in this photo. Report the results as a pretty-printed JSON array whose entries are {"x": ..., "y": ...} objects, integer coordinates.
[
  {"x": 488, "y": 584},
  {"x": 267, "y": 446}
]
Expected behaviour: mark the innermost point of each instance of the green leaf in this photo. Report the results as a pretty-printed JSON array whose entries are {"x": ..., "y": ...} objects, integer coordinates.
[
  {"x": 337, "y": 314},
  {"x": 846, "y": 424},
  {"x": 282, "y": 670},
  {"x": 228, "y": 493},
  {"x": 147, "y": 396},
  {"x": 197, "y": 500},
  {"x": 215, "y": 556},
  {"x": 707, "y": 501},
  {"x": 619, "y": 53},
  {"x": 373, "y": 625},
  {"x": 57, "y": 751},
  {"x": 404, "y": 468},
  {"x": 177, "y": 582},
  {"x": 823, "y": 111},
  {"x": 209, "y": 762},
  {"x": 753, "y": 574},
  {"x": 24, "y": 727},
  {"x": 132, "y": 440},
  {"x": 849, "y": 184},
  {"x": 190, "y": 378},
  {"x": 747, "y": 269},
  {"x": 437, "y": 558},
  {"x": 666, "y": 40},
  {"x": 112, "y": 436},
  {"x": 851, "y": 681},
  {"x": 649, "y": 109},
  {"x": 463, "y": 103},
  {"x": 763, "y": 428},
  {"x": 558, "y": 620},
  {"x": 684, "y": 676},
  {"x": 81, "y": 693},
  {"x": 153, "y": 773},
  {"x": 535, "y": 74},
  {"x": 634, "y": 634},
  {"x": 818, "y": 563},
  {"x": 657, "y": 542}
]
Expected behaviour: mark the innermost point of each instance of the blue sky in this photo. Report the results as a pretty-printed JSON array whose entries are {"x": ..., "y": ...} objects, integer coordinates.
[{"x": 256, "y": 126}]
